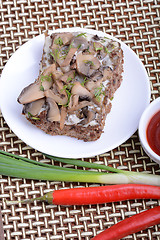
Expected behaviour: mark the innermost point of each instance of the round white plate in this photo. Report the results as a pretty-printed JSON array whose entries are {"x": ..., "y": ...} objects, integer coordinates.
[{"x": 128, "y": 104}]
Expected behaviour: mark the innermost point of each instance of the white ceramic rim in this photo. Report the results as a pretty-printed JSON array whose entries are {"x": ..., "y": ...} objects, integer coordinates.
[{"x": 150, "y": 111}]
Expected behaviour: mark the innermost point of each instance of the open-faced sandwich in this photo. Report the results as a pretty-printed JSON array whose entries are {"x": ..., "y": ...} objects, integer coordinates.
[{"x": 79, "y": 75}]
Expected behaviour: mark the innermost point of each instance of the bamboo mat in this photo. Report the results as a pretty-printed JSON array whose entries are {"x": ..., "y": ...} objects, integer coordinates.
[{"x": 137, "y": 24}]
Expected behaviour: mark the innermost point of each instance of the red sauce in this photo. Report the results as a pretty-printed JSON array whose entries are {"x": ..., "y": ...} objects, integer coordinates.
[{"x": 153, "y": 133}]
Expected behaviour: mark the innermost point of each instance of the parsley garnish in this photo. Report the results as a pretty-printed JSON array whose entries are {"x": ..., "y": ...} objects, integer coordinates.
[
  {"x": 32, "y": 117},
  {"x": 106, "y": 50},
  {"x": 69, "y": 79},
  {"x": 58, "y": 41},
  {"x": 88, "y": 62},
  {"x": 98, "y": 92},
  {"x": 84, "y": 81},
  {"x": 97, "y": 48},
  {"x": 68, "y": 88},
  {"x": 55, "y": 55},
  {"x": 81, "y": 35},
  {"x": 45, "y": 78}
]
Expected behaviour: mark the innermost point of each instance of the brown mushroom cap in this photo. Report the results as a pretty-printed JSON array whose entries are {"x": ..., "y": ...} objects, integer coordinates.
[
  {"x": 65, "y": 37},
  {"x": 60, "y": 99},
  {"x": 69, "y": 57},
  {"x": 87, "y": 64},
  {"x": 53, "y": 113},
  {"x": 80, "y": 42},
  {"x": 78, "y": 89},
  {"x": 34, "y": 107},
  {"x": 67, "y": 77},
  {"x": 31, "y": 93},
  {"x": 79, "y": 106}
]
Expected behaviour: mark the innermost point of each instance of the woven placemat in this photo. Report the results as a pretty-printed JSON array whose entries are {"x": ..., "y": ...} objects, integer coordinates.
[{"x": 137, "y": 24}]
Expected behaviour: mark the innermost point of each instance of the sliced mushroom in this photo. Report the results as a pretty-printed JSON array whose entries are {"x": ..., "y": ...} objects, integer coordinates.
[
  {"x": 53, "y": 114},
  {"x": 65, "y": 37},
  {"x": 31, "y": 93},
  {"x": 78, "y": 89},
  {"x": 60, "y": 99},
  {"x": 34, "y": 107},
  {"x": 90, "y": 117},
  {"x": 79, "y": 106},
  {"x": 67, "y": 77},
  {"x": 57, "y": 74},
  {"x": 87, "y": 64},
  {"x": 73, "y": 101},
  {"x": 80, "y": 43},
  {"x": 49, "y": 70},
  {"x": 69, "y": 57}
]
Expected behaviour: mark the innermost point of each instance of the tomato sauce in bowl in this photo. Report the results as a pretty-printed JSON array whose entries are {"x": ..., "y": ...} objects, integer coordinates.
[{"x": 153, "y": 133}]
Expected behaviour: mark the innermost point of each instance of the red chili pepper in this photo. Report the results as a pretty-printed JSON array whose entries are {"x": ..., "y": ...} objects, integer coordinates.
[
  {"x": 102, "y": 194},
  {"x": 131, "y": 225}
]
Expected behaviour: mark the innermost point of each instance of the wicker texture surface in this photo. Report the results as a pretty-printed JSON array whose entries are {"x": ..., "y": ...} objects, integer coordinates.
[{"x": 137, "y": 24}]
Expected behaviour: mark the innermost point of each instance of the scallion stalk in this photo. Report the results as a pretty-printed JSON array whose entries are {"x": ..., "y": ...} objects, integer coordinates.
[{"x": 16, "y": 166}]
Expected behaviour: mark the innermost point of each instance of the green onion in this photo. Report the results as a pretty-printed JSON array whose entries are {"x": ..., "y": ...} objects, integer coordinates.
[
  {"x": 58, "y": 41},
  {"x": 32, "y": 117},
  {"x": 88, "y": 62},
  {"x": 81, "y": 35},
  {"x": 97, "y": 48},
  {"x": 17, "y": 166}
]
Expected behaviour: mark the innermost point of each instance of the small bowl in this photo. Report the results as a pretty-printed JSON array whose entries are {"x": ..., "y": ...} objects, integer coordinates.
[{"x": 149, "y": 112}]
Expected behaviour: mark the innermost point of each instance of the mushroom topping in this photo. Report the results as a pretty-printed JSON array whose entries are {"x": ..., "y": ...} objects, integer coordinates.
[
  {"x": 90, "y": 117},
  {"x": 49, "y": 70},
  {"x": 67, "y": 77},
  {"x": 57, "y": 74},
  {"x": 80, "y": 43},
  {"x": 79, "y": 106},
  {"x": 69, "y": 57},
  {"x": 87, "y": 64},
  {"x": 53, "y": 114},
  {"x": 34, "y": 107},
  {"x": 78, "y": 89},
  {"x": 31, "y": 93},
  {"x": 78, "y": 77},
  {"x": 62, "y": 38},
  {"x": 60, "y": 99},
  {"x": 73, "y": 101}
]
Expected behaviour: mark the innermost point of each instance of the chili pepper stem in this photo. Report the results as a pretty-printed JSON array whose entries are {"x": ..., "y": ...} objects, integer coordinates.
[{"x": 45, "y": 198}]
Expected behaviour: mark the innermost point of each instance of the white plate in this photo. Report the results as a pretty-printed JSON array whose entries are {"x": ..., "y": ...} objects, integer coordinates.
[{"x": 128, "y": 104}]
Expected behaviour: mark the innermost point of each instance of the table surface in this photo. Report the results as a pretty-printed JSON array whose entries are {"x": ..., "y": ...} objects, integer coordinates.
[{"x": 136, "y": 23}]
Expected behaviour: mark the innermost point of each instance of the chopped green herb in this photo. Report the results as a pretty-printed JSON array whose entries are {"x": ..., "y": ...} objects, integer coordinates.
[
  {"x": 66, "y": 51},
  {"x": 106, "y": 50},
  {"x": 67, "y": 88},
  {"x": 69, "y": 79},
  {"x": 111, "y": 98},
  {"x": 81, "y": 35},
  {"x": 84, "y": 81},
  {"x": 88, "y": 62},
  {"x": 32, "y": 117},
  {"x": 41, "y": 88},
  {"x": 58, "y": 41},
  {"x": 55, "y": 55},
  {"x": 79, "y": 46},
  {"x": 98, "y": 92},
  {"x": 97, "y": 48},
  {"x": 46, "y": 78}
]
